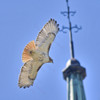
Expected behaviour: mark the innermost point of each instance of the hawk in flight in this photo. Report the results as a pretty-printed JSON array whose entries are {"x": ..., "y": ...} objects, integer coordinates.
[{"x": 35, "y": 54}]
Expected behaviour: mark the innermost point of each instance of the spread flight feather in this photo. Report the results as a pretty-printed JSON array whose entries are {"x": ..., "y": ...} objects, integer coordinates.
[{"x": 35, "y": 54}]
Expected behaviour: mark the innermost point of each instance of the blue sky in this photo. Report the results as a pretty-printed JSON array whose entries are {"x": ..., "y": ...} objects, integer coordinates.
[{"x": 20, "y": 22}]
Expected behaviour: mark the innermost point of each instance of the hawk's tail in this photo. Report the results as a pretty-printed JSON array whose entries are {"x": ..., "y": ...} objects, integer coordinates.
[{"x": 26, "y": 53}]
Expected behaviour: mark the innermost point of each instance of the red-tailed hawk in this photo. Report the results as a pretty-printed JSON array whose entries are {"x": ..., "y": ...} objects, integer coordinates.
[{"x": 35, "y": 54}]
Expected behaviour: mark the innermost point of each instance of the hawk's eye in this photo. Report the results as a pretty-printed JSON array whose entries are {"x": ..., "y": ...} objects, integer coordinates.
[{"x": 30, "y": 52}]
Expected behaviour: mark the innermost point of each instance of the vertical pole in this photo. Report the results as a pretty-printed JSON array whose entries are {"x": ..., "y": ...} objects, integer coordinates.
[
  {"x": 68, "y": 88},
  {"x": 72, "y": 93},
  {"x": 70, "y": 32}
]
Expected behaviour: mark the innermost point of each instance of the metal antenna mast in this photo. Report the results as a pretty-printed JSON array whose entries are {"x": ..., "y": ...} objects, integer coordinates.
[
  {"x": 68, "y": 13},
  {"x": 70, "y": 32}
]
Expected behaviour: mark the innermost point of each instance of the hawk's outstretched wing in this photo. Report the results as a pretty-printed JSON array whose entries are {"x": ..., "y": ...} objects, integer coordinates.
[
  {"x": 28, "y": 73},
  {"x": 47, "y": 35}
]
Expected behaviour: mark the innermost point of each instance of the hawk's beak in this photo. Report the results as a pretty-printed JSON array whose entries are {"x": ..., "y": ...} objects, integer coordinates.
[{"x": 50, "y": 60}]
